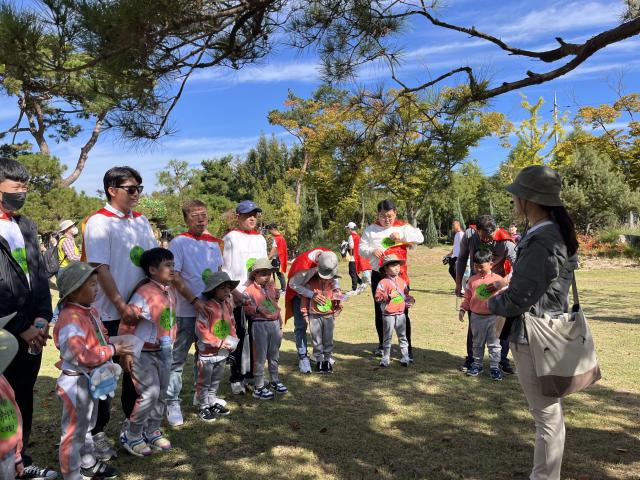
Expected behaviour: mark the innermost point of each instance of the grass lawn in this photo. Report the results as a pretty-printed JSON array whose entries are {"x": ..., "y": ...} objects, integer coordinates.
[{"x": 428, "y": 421}]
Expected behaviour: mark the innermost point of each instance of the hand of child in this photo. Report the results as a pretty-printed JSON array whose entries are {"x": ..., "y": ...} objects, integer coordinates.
[
  {"x": 281, "y": 332},
  {"x": 19, "y": 469},
  {"x": 410, "y": 301},
  {"x": 126, "y": 362},
  {"x": 461, "y": 315}
]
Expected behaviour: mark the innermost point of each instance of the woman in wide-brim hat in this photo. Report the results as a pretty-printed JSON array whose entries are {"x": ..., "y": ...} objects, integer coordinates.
[{"x": 540, "y": 284}]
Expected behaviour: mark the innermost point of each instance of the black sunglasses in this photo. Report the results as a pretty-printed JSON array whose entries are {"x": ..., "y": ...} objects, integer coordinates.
[{"x": 132, "y": 189}]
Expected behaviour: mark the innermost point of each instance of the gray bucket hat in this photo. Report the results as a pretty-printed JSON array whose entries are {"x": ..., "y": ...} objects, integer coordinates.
[
  {"x": 387, "y": 259},
  {"x": 218, "y": 278},
  {"x": 8, "y": 343},
  {"x": 261, "y": 264},
  {"x": 328, "y": 265},
  {"x": 538, "y": 184},
  {"x": 71, "y": 278}
]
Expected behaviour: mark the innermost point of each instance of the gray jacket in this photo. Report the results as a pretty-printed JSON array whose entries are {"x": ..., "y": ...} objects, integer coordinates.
[
  {"x": 470, "y": 243},
  {"x": 540, "y": 280}
]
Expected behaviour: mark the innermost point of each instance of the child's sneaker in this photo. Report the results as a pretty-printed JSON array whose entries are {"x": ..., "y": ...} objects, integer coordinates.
[
  {"x": 100, "y": 471},
  {"x": 327, "y": 367},
  {"x": 158, "y": 441},
  {"x": 137, "y": 447},
  {"x": 279, "y": 387},
  {"x": 318, "y": 368},
  {"x": 304, "y": 365},
  {"x": 378, "y": 352},
  {"x": 206, "y": 415},
  {"x": 474, "y": 371},
  {"x": 496, "y": 374},
  {"x": 37, "y": 473},
  {"x": 174, "y": 414},
  {"x": 122, "y": 437},
  {"x": 102, "y": 447},
  {"x": 219, "y": 409},
  {"x": 263, "y": 393},
  {"x": 405, "y": 361},
  {"x": 237, "y": 388},
  {"x": 384, "y": 361}
]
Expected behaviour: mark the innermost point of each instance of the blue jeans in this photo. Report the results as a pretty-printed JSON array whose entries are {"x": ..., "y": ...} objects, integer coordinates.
[
  {"x": 185, "y": 337},
  {"x": 300, "y": 328}
]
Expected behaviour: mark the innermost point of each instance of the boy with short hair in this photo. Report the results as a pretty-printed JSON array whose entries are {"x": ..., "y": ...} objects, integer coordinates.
[
  {"x": 155, "y": 301},
  {"x": 260, "y": 301},
  {"x": 216, "y": 334},
  {"x": 392, "y": 294},
  {"x": 482, "y": 321},
  {"x": 321, "y": 316},
  {"x": 84, "y": 348}
]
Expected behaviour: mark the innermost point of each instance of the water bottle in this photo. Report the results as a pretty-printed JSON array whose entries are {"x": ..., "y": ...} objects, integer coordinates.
[
  {"x": 166, "y": 349},
  {"x": 40, "y": 325}
]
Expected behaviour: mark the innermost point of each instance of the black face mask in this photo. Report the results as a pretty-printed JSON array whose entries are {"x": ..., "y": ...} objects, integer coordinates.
[{"x": 13, "y": 201}]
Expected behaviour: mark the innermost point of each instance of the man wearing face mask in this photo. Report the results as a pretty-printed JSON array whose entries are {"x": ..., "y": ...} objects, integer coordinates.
[
  {"x": 67, "y": 249},
  {"x": 24, "y": 289},
  {"x": 486, "y": 234}
]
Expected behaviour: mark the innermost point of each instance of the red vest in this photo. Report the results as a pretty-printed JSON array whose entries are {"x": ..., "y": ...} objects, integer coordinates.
[
  {"x": 283, "y": 256},
  {"x": 362, "y": 264}
]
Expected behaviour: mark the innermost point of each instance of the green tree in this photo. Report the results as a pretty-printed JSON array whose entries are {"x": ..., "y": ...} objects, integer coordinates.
[{"x": 431, "y": 234}]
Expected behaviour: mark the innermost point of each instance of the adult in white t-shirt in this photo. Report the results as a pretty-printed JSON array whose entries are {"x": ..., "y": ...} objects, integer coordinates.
[
  {"x": 458, "y": 233},
  {"x": 241, "y": 245},
  {"x": 196, "y": 254},
  {"x": 114, "y": 238},
  {"x": 388, "y": 236}
]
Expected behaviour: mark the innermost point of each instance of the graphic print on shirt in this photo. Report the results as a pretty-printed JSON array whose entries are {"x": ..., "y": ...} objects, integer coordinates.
[
  {"x": 8, "y": 419},
  {"x": 221, "y": 329},
  {"x": 269, "y": 306},
  {"x": 167, "y": 319},
  {"x": 250, "y": 263},
  {"x": 482, "y": 292},
  {"x": 135, "y": 254},
  {"x": 387, "y": 242},
  {"x": 20, "y": 256},
  {"x": 326, "y": 306},
  {"x": 206, "y": 273}
]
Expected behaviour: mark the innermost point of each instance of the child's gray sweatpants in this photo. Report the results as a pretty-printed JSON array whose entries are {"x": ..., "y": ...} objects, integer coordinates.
[
  {"x": 266, "y": 344},
  {"x": 483, "y": 331},
  {"x": 399, "y": 323},
  {"x": 321, "y": 327},
  {"x": 150, "y": 375},
  {"x": 210, "y": 370}
]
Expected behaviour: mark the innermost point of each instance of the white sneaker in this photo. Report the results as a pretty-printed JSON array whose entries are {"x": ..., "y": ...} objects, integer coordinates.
[
  {"x": 174, "y": 414},
  {"x": 384, "y": 362},
  {"x": 304, "y": 365},
  {"x": 220, "y": 401},
  {"x": 332, "y": 362},
  {"x": 237, "y": 388},
  {"x": 102, "y": 447},
  {"x": 405, "y": 361}
]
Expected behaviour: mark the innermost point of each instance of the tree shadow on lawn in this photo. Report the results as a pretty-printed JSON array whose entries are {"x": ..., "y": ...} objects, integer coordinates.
[{"x": 426, "y": 421}]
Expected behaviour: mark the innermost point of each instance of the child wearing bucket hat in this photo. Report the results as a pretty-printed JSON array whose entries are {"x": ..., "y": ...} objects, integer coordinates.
[
  {"x": 155, "y": 301},
  {"x": 260, "y": 301},
  {"x": 216, "y": 338},
  {"x": 11, "y": 428},
  {"x": 392, "y": 294},
  {"x": 321, "y": 317},
  {"x": 84, "y": 348}
]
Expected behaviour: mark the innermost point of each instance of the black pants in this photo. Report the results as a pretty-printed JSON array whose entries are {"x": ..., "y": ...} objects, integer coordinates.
[
  {"x": 281, "y": 279},
  {"x": 375, "y": 280},
  {"x": 21, "y": 374},
  {"x": 128, "y": 396},
  {"x": 504, "y": 345},
  {"x": 452, "y": 267},
  {"x": 355, "y": 279},
  {"x": 235, "y": 357}
]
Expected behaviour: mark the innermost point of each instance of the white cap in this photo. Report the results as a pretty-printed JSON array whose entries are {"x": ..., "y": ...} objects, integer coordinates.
[{"x": 351, "y": 225}]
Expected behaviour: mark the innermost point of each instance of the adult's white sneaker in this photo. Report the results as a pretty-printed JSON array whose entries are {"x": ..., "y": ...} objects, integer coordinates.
[{"x": 174, "y": 414}]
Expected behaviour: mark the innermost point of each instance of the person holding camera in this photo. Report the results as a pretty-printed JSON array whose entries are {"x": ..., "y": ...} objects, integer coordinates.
[
  {"x": 452, "y": 257},
  {"x": 278, "y": 255}
]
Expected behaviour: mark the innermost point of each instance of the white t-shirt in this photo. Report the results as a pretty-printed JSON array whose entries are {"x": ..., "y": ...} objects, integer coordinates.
[
  {"x": 195, "y": 258},
  {"x": 239, "y": 247},
  {"x": 118, "y": 240},
  {"x": 10, "y": 231},
  {"x": 373, "y": 236},
  {"x": 457, "y": 238}
]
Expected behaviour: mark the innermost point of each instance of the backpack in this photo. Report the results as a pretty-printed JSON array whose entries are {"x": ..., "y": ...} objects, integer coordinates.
[{"x": 50, "y": 261}]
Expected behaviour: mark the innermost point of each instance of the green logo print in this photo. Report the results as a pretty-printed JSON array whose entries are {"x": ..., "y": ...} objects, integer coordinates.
[
  {"x": 8, "y": 420},
  {"x": 269, "y": 306},
  {"x": 20, "y": 256},
  {"x": 326, "y": 306},
  {"x": 167, "y": 319},
  {"x": 206, "y": 273},
  {"x": 387, "y": 242},
  {"x": 135, "y": 254},
  {"x": 482, "y": 292},
  {"x": 221, "y": 329},
  {"x": 250, "y": 263},
  {"x": 396, "y": 297}
]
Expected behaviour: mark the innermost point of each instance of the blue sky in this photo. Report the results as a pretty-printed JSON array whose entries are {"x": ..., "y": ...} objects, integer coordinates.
[{"x": 224, "y": 112}]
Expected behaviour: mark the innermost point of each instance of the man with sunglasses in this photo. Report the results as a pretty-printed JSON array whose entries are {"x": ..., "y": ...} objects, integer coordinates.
[
  {"x": 486, "y": 235},
  {"x": 114, "y": 239}
]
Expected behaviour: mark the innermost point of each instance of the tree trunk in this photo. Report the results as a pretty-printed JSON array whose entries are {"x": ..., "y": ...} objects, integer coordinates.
[
  {"x": 305, "y": 164},
  {"x": 84, "y": 152}
]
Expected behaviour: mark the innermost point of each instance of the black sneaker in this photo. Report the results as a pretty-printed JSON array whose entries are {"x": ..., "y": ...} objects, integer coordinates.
[
  {"x": 100, "y": 471},
  {"x": 327, "y": 367},
  {"x": 378, "y": 352},
  {"x": 465, "y": 366},
  {"x": 319, "y": 367},
  {"x": 206, "y": 415},
  {"x": 506, "y": 368},
  {"x": 219, "y": 409},
  {"x": 33, "y": 472}
]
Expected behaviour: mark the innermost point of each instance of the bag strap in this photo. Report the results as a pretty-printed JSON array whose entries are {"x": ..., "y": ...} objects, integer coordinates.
[{"x": 574, "y": 289}]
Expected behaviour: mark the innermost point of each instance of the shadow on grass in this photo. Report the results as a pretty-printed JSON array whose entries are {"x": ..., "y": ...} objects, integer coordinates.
[{"x": 364, "y": 422}]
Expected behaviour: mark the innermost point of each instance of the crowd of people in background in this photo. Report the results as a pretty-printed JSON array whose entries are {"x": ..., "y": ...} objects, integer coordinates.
[{"x": 131, "y": 307}]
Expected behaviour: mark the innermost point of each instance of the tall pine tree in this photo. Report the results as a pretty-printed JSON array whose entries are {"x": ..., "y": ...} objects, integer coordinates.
[{"x": 431, "y": 237}]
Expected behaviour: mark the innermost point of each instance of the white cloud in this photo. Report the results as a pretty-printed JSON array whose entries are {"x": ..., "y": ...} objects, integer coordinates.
[{"x": 272, "y": 72}]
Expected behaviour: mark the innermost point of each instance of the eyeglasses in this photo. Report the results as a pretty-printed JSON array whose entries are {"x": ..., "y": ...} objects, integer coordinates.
[{"x": 132, "y": 189}]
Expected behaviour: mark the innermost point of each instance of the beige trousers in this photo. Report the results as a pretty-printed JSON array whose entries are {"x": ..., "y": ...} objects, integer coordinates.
[{"x": 548, "y": 417}]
